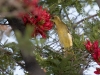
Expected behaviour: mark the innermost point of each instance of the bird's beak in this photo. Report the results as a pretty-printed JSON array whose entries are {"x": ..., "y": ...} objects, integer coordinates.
[{"x": 52, "y": 19}]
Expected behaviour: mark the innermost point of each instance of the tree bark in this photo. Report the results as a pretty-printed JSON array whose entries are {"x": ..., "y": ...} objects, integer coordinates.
[
  {"x": 98, "y": 2},
  {"x": 31, "y": 65}
]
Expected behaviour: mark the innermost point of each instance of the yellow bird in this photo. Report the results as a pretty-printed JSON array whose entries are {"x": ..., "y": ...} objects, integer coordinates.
[{"x": 65, "y": 37}]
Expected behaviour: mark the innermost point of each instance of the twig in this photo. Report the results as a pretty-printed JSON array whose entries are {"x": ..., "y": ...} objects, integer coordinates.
[
  {"x": 86, "y": 18},
  {"x": 21, "y": 64}
]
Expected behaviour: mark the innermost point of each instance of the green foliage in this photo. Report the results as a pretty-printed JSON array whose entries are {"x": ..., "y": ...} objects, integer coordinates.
[{"x": 92, "y": 29}]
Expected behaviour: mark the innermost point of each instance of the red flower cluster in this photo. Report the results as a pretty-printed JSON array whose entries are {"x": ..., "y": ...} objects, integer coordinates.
[
  {"x": 97, "y": 71},
  {"x": 94, "y": 50},
  {"x": 37, "y": 17},
  {"x": 88, "y": 45}
]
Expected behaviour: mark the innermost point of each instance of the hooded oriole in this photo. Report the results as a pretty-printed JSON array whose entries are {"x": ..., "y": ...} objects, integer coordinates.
[{"x": 65, "y": 37}]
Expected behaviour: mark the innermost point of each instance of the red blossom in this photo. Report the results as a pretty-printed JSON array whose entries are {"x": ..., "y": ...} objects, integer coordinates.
[
  {"x": 97, "y": 71},
  {"x": 95, "y": 45},
  {"x": 37, "y": 17},
  {"x": 96, "y": 55},
  {"x": 36, "y": 31},
  {"x": 88, "y": 45},
  {"x": 94, "y": 50}
]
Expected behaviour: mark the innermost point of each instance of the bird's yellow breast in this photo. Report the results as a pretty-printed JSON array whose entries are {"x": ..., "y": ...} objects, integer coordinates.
[{"x": 65, "y": 37}]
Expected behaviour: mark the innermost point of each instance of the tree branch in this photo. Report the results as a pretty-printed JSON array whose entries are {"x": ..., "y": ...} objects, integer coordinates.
[
  {"x": 98, "y": 2},
  {"x": 31, "y": 64},
  {"x": 86, "y": 18}
]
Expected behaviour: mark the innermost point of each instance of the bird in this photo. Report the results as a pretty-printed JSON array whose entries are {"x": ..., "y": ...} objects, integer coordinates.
[{"x": 64, "y": 35}]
